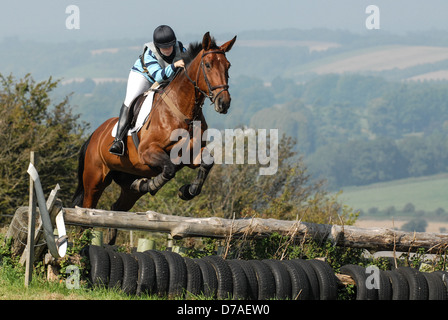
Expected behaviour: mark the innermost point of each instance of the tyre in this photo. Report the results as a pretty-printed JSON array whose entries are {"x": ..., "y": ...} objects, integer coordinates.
[
  {"x": 116, "y": 269},
  {"x": 209, "y": 279},
  {"x": 161, "y": 272},
  {"x": 328, "y": 285},
  {"x": 385, "y": 289},
  {"x": 300, "y": 286},
  {"x": 239, "y": 280},
  {"x": 282, "y": 279},
  {"x": 358, "y": 274},
  {"x": 399, "y": 284},
  {"x": 130, "y": 273},
  {"x": 251, "y": 277},
  {"x": 444, "y": 276},
  {"x": 265, "y": 280},
  {"x": 194, "y": 278},
  {"x": 311, "y": 276},
  {"x": 223, "y": 275},
  {"x": 99, "y": 266},
  {"x": 177, "y": 274},
  {"x": 418, "y": 287},
  {"x": 146, "y": 273},
  {"x": 436, "y": 287}
]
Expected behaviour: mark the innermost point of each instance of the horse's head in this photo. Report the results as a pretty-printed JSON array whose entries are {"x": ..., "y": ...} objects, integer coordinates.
[{"x": 215, "y": 76}]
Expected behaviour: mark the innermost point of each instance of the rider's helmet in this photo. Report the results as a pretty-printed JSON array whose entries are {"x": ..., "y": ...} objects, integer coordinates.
[{"x": 164, "y": 37}]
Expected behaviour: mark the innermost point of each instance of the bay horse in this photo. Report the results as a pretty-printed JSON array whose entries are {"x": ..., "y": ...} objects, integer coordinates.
[{"x": 149, "y": 167}]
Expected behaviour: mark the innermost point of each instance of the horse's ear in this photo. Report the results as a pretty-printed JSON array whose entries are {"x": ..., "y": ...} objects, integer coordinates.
[
  {"x": 206, "y": 41},
  {"x": 228, "y": 45}
]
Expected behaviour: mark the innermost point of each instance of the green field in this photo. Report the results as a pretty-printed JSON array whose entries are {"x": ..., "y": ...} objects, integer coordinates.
[{"x": 425, "y": 193}]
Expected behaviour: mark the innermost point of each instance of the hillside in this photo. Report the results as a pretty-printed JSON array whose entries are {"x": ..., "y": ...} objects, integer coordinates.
[
  {"x": 424, "y": 193},
  {"x": 353, "y": 102}
]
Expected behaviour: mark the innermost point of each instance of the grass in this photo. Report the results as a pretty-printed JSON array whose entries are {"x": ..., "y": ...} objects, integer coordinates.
[{"x": 425, "y": 193}]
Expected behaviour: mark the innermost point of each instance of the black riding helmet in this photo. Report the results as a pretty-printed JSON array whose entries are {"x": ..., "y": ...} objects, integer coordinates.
[{"x": 164, "y": 37}]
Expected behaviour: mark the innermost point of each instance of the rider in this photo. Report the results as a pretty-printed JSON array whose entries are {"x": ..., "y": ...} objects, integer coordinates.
[{"x": 158, "y": 63}]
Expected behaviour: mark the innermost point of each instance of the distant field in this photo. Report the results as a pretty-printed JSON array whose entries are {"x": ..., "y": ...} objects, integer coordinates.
[
  {"x": 425, "y": 193},
  {"x": 376, "y": 59}
]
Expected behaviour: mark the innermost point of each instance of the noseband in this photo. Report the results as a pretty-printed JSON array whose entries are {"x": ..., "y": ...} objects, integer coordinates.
[{"x": 211, "y": 88}]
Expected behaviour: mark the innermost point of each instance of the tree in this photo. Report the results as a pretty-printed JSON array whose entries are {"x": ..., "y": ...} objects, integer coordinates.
[
  {"x": 417, "y": 225},
  {"x": 30, "y": 121}
]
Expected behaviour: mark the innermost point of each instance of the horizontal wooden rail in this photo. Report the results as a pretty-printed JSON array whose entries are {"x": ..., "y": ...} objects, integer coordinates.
[{"x": 375, "y": 239}]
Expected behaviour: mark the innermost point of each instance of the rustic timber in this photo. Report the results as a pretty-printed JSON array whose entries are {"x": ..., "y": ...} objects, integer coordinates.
[{"x": 373, "y": 239}]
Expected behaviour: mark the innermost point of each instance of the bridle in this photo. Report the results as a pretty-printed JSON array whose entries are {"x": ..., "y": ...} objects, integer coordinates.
[{"x": 210, "y": 95}]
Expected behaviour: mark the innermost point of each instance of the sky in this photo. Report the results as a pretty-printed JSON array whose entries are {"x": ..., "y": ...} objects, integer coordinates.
[{"x": 45, "y": 20}]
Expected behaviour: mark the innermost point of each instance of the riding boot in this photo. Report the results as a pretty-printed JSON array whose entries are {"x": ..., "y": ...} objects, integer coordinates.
[{"x": 118, "y": 145}]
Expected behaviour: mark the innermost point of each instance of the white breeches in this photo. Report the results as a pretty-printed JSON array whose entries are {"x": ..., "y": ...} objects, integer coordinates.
[{"x": 137, "y": 84}]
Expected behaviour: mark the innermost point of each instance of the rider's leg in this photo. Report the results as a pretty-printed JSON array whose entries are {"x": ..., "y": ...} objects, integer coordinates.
[{"x": 137, "y": 84}]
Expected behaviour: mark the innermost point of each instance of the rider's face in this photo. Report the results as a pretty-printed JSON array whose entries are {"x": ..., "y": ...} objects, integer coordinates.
[{"x": 166, "y": 51}]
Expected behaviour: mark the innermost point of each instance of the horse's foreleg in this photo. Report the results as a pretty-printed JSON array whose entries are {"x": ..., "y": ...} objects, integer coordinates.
[
  {"x": 189, "y": 191},
  {"x": 161, "y": 160}
]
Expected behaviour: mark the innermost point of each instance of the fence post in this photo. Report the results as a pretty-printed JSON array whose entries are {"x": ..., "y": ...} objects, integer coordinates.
[{"x": 31, "y": 226}]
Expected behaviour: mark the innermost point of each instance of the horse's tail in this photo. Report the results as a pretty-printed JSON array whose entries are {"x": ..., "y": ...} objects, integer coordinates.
[{"x": 78, "y": 197}]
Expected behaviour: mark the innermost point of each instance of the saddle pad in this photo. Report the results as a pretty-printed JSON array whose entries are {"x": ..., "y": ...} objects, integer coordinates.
[{"x": 142, "y": 116}]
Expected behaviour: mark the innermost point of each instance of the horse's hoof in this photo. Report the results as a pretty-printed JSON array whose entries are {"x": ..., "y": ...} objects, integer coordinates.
[
  {"x": 184, "y": 193},
  {"x": 139, "y": 185}
]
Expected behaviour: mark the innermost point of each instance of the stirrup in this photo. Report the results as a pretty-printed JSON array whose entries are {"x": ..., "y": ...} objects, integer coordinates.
[{"x": 115, "y": 146}]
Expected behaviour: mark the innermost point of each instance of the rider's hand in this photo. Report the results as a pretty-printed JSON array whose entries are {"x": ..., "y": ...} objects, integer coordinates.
[{"x": 179, "y": 64}]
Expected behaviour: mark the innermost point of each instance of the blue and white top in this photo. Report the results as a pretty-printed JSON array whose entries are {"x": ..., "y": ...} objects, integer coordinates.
[{"x": 158, "y": 69}]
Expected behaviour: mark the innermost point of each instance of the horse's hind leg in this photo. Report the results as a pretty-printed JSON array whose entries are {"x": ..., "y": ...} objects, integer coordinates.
[
  {"x": 125, "y": 201},
  {"x": 94, "y": 185}
]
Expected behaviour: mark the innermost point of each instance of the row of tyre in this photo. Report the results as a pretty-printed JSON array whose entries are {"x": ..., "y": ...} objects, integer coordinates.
[
  {"x": 402, "y": 283},
  {"x": 169, "y": 274}
]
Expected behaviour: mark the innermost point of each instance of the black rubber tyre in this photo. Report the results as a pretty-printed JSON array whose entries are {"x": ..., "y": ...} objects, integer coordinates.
[
  {"x": 209, "y": 279},
  {"x": 399, "y": 284},
  {"x": 265, "y": 280},
  {"x": 194, "y": 278},
  {"x": 358, "y": 274},
  {"x": 161, "y": 272},
  {"x": 300, "y": 286},
  {"x": 282, "y": 279},
  {"x": 99, "y": 266},
  {"x": 385, "y": 290},
  {"x": 177, "y": 274},
  {"x": 311, "y": 276},
  {"x": 251, "y": 277},
  {"x": 146, "y": 273},
  {"x": 418, "y": 287},
  {"x": 116, "y": 269},
  {"x": 223, "y": 275},
  {"x": 436, "y": 287},
  {"x": 239, "y": 280},
  {"x": 328, "y": 285},
  {"x": 444, "y": 276},
  {"x": 130, "y": 273}
]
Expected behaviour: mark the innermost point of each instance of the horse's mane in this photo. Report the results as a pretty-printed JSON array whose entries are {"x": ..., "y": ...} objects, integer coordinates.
[{"x": 193, "y": 50}]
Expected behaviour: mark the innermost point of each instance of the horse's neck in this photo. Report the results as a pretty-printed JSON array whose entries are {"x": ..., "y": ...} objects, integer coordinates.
[{"x": 183, "y": 94}]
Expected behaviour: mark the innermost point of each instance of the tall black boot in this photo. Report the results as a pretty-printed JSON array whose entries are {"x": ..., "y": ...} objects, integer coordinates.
[{"x": 118, "y": 145}]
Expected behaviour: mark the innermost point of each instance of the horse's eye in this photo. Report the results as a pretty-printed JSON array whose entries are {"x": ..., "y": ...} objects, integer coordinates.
[{"x": 207, "y": 65}]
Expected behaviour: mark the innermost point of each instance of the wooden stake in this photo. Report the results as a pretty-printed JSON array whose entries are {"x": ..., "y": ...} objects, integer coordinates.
[{"x": 31, "y": 226}]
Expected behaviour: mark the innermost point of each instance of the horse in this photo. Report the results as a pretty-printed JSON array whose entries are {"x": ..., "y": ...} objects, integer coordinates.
[{"x": 148, "y": 167}]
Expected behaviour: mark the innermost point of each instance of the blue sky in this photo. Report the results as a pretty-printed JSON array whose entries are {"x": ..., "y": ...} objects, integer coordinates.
[{"x": 110, "y": 19}]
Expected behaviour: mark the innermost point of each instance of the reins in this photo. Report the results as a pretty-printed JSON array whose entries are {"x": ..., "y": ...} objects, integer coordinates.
[{"x": 211, "y": 88}]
